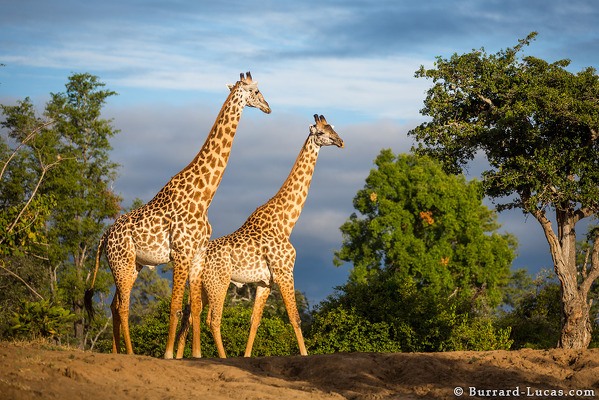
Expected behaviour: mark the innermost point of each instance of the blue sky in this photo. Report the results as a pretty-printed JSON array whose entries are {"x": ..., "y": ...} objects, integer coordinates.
[{"x": 353, "y": 61}]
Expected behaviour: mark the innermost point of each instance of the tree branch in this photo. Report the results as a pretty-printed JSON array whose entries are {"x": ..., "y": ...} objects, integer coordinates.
[
  {"x": 22, "y": 281},
  {"x": 95, "y": 339},
  {"x": 553, "y": 240},
  {"x": 38, "y": 184},
  {"x": 486, "y": 100},
  {"x": 23, "y": 143},
  {"x": 593, "y": 273},
  {"x": 582, "y": 213}
]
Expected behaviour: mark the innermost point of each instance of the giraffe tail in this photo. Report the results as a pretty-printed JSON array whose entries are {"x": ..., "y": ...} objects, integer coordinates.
[{"x": 89, "y": 293}]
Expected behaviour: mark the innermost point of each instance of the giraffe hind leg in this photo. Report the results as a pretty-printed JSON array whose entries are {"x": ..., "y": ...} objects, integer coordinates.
[
  {"x": 262, "y": 293},
  {"x": 181, "y": 337},
  {"x": 120, "y": 320},
  {"x": 120, "y": 307},
  {"x": 116, "y": 324},
  {"x": 216, "y": 299}
]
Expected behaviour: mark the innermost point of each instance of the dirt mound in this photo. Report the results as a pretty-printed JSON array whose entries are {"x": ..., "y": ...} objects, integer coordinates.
[{"x": 28, "y": 372}]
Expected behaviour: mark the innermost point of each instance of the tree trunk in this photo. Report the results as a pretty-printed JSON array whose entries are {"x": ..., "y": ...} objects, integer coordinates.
[
  {"x": 78, "y": 326},
  {"x": 576, "y": 325}
]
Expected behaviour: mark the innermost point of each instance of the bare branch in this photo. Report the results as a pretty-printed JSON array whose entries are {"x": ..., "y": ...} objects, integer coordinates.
[
  {"x": 554, "y": 244},
  {"x": 45, "y": 169},
  {"x": 95, "y": 339},
  {"x": 22, "y": 281},
  {"x": 486, "y": 100},
  {"x": 29, "y": 137}
]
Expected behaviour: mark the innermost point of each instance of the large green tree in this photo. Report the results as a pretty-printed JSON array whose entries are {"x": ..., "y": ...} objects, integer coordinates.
[
  {"x": 75, "y": 143},
  {"x": 25, "y": 163},
  {"x": 425, "y": 251},
  {"x": 537, "y": 124}
]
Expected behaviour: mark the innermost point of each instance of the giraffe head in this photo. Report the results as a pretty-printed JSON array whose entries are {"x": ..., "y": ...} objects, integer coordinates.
[
  {"x": 324, "y": 134},
  {"x": 249, "y": 90}
]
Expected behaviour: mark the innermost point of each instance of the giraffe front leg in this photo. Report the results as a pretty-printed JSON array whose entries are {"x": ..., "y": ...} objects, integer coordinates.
[
  {"x": 262, "y": 293},
  {"x": 288, "y": 292},
  {"x": 180, "y": 272}
]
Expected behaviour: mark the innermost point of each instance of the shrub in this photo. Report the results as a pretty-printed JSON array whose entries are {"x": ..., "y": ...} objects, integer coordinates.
[
  {"x": 341, "y": 330},
  {"x": 40, "y": 319}
]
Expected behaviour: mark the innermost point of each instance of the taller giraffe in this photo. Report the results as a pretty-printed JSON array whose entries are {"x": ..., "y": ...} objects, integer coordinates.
[
  {"x": 260, "y": 250},
  {"x": 173, "y": 226}
]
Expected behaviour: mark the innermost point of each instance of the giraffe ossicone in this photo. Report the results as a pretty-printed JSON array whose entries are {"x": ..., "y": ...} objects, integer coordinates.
[
  {"x": 173, "y": 226},
  {"x": 260, "y": 250}
]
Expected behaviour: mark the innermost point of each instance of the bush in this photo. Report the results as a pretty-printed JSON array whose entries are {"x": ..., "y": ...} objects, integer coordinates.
[
  {"x": 341, "y": 330},
  {"x": 40, "y": 319},
  {"x": 275, "y": 336},
  {"x": 478, "y": 335}
]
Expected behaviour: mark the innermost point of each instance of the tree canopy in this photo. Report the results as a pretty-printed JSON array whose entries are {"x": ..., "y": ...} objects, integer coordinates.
[{"x": 420, "y": 222}]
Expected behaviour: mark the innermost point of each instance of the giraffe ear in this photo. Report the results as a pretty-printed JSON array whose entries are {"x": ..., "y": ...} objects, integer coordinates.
[{"x": 230, "y": 86}]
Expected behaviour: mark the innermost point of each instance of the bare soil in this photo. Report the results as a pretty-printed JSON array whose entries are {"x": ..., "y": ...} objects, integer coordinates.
[{"x": 30, "y": 371}]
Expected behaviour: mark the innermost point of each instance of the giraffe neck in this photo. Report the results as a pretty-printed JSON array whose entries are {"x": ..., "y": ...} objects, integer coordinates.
[
  {"x": 292, "y": 195},
  {"x": 206, "y": 170}
]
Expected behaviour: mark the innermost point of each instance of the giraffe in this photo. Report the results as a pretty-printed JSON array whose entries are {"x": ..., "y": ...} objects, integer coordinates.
[
  {"x": 260, "y": 250},
  {"x": 173, "y": 226}
]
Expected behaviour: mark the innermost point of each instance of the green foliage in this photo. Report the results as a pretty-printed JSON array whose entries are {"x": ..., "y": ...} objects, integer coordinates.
[
  {"x": 420, "y": 222},
  {"x": 22, "y": 228},
  {"x": 480, "y": 334},
  {"x": 55, "y": 187},
  {"x": 81, "y": 183},
  {"x": 149, "y": 287},
  {"x": 21, "y": 279},
  {"x": 535, "y": 314},
  {"x": 537, "y": 124},
  {"x": 341, "y": 330},
  {"x": 427, "y": 260},
  {"x": 40, "y": 319},
  {"x": 24, "y": 165},
  {"x": 275, "y": 335},
  {"x": 400, "y": 315}
]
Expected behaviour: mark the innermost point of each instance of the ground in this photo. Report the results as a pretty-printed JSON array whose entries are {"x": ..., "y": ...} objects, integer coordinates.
[{"x": 37, "y": 372}]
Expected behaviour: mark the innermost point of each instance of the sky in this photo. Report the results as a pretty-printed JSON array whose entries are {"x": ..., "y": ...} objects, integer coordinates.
[{"x": 351, "y": 60}]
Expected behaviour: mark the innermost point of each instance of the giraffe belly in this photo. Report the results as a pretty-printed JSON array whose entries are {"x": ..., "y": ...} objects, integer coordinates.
[
  {"x": 153, "y": 256},
  {"x": 251, "y": 274}
]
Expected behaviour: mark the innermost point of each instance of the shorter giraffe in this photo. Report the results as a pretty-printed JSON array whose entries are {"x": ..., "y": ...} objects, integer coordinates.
[{"x": 260, "y": 250}]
